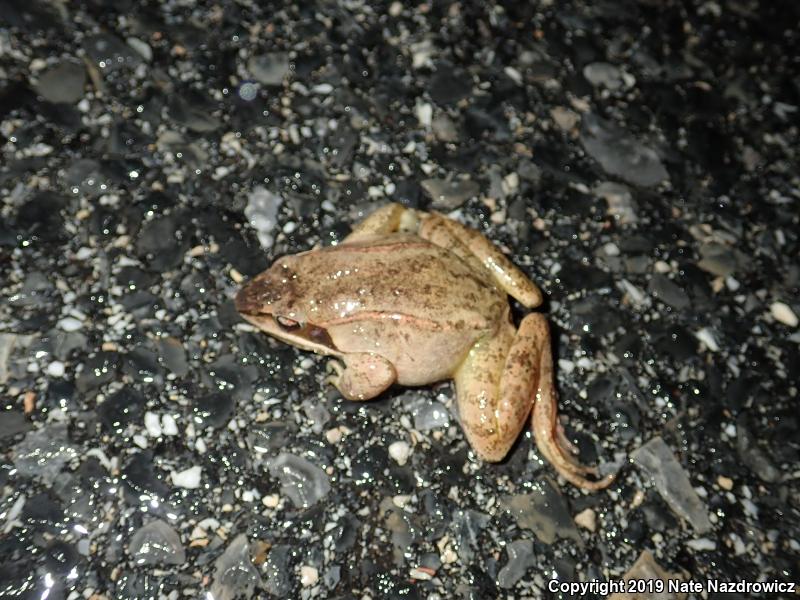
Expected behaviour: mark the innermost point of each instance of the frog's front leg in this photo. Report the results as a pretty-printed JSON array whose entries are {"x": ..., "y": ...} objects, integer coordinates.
[
  {"x": 498, "y": 384},
  {"x": 362, "y": 376}
]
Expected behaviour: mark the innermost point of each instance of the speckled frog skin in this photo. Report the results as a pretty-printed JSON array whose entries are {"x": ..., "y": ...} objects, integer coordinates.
[{"x": 412, "y": 298}]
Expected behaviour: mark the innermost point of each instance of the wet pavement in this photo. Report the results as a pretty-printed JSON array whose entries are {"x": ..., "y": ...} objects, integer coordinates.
[{"x": 637, "y": 160}]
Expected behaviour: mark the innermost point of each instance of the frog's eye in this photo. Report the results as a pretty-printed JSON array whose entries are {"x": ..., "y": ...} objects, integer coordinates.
[{"x": 287, "y": 324}]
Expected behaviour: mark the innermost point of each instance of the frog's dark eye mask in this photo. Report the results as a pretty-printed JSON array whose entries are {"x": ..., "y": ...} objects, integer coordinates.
[{"x": 303, "y": 331}]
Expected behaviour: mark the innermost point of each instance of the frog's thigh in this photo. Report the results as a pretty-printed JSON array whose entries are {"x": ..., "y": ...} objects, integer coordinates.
[
  {"x": 387, "y": 219},
  {"x": 495, "y": 388},
  {"x": 363, "y": 375},
  {"x": 462, "y": 240}
]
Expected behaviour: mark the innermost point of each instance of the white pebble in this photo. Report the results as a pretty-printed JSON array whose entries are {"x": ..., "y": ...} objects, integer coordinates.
[
  {"x": 566, "y": 365},
  {"x": 271, "y": 500},
  {"x": 400, "y": 451},
  {"x": 396, "y": 9},
  {"x": 701, "y": 544},
  {"x": 168, "y": 425},
  {"x": 69, "y": 324},
  {"x": 424, "y": 114},
  {"x": 781, "y": 312},
  {"x": 140, "y": 440},
  {"x": 611, "y": 249},
  {"x": 153, "y": 424},
  {"x": 322, "y": 88},
  {"x": 587, "y": 519},
  {"x": 308, "y": 576},
  {"x": 189, "y": 478},
  {"x": 706, "y": 336},
  {"x": 55, "y": 369}
]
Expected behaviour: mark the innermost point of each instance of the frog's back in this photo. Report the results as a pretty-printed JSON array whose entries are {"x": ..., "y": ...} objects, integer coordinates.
[{"x": 400, "y": 276}]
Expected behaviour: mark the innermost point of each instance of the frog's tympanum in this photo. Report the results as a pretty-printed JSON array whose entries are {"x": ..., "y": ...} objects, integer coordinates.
[{"x": 412, "y": 298}]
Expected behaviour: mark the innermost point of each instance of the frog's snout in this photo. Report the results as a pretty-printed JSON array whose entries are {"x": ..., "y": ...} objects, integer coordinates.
[
  {"x": 256, "y": 296},
  {"x": 245, "y": 299}
]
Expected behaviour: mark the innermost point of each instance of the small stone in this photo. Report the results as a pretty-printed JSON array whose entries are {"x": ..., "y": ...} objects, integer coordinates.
[
  {"x": 706, "y": 335},
  {"x": 429, "y": 414},
  {"x": 188, "y": 478},
  {"x": 168, "y": 425},
  {"x": 645, "y": 568},
  {"x": 334, "y": 435},
  {"x": 702, "y": 544},
  {"x": 69, "y": 324},
  {"x": 424, "y": 113},
  {"x": 153, "y": 424},
  {"x": 43, "y": 452},
  {"x": 262, "y": 213},
  {"x": 234, "y": 573},
  {"x": 620, "y": 154},
  {"x": 620, "y": 201},
  {"x": 271, "y": 500},
  {"x": 63, "y": 83},
  {"x": 141, "y": 47},
  {"x": 421, "y": 573},
  {"x": 545, "y": 512},
  {"x": 564, "y": 118},
  {"x": 301, "y": 480},
  {"x": 449, "y": 194},
  {"x": 718, "y": 259},
  {"x": 444, "y": 129},
  {"x": 668, "y": 292},
  {"x": 400, "y": 451},
  {"x": 55, "y": 369},
  {"x": 157, "y": 544},
  {"x": 269, "y": 69},
  {"x": 277, "y": 570},
  {"x": 605, "y": 75},
  {"x": 520, "y": 559},
  {"x": 308, "y": 576},
  {"x": 726, "y": 483},
  {"x": 672, "y": 482},
  {"x": 783, "y": 313},
  {"x": 587, "y": 519}
]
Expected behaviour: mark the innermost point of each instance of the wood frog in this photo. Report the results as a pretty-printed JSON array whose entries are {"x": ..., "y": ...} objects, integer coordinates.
[{"x": 412, "y": 298}]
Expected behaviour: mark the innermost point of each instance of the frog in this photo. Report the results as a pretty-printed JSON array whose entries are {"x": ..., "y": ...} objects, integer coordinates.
[{"x": 412, "y": 298}]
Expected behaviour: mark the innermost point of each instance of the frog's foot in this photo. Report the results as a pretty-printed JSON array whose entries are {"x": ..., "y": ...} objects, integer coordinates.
[
  {"x": 570, "y": 451},
  {"x": 362, "y": 376},
  {"x": 550, "y": 437}
]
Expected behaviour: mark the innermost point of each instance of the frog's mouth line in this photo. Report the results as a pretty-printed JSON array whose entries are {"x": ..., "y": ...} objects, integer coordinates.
[{"x": 303, "y": 335}]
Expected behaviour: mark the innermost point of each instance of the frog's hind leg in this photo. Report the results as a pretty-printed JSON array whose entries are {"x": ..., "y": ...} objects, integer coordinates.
[
  {"x": 553, "y": 444},
  {"x": 494, "y": 388},
  {"x": 391, "y": 218},
  {"x": 474, "y": 248},
  {"x": 501, "y": 381}
]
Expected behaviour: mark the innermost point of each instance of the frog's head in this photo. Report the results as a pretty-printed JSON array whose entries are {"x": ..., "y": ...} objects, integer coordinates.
[{"x": 274, "y": 302}]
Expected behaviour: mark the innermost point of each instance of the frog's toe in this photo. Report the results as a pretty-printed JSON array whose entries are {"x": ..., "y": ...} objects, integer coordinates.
[
  {"x": 551, "y": 445},
  {"x": 334, "y": 368}
]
